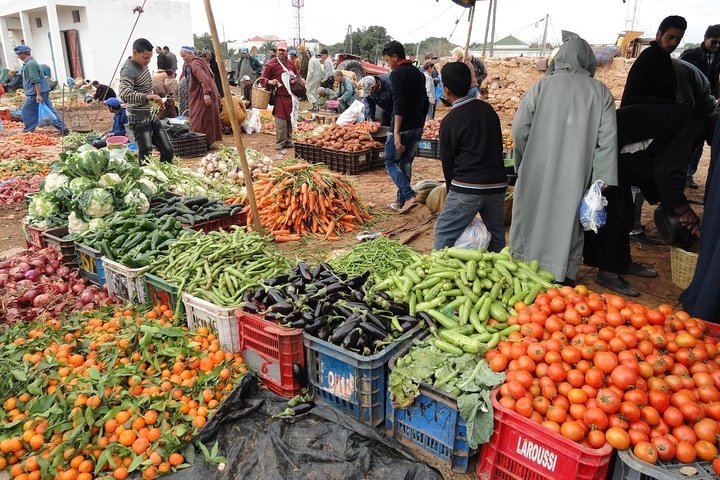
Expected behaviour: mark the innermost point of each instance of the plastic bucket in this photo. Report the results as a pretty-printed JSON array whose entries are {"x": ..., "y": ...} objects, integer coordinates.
[{"x": 117, "y": 141}]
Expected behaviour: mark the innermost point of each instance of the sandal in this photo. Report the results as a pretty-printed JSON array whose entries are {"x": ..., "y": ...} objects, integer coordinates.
[
  {"x": 394, "y": 206},
  {"x": 408, "y": 206}
]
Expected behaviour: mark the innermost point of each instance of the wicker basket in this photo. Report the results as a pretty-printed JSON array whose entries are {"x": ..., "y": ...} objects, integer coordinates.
[
  {"x": 682, "y": 266},
  {"x": 259, "y": 96}
]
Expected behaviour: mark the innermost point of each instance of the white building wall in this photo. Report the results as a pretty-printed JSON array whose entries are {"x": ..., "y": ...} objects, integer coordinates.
[
  {"x": 103, "y": 30},
  {"x": 165, "y": 22}
]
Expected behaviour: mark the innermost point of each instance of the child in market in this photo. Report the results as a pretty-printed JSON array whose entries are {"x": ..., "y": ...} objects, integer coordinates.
[
  {"x": 471, "y": 154},
  {"x": 120, "y": 120}
]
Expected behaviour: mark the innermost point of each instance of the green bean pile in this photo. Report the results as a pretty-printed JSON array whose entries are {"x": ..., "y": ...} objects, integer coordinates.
[
  {"x": 381, "y": 256},
  {"x": 220, "y": 266}
]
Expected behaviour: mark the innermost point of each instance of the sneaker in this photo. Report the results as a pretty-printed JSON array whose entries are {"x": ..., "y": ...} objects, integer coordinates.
[
  {"x": 690, "y": 183},
  {"x": 616, "y": 283}
]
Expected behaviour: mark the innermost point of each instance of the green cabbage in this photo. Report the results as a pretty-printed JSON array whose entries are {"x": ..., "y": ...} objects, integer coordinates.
[
  {"x": 109, "y": 180},
  {"x": 80, "y": 184},
  {"x": 43, "y": 205}
]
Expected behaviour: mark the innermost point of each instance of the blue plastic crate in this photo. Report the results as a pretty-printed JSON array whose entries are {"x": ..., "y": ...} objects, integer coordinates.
[
  {"x": 90, "y": 264},
  {"x": 428, "y": 148},
  {"x": 433, "y": 423},
  {"x": 349, "y": 381}
]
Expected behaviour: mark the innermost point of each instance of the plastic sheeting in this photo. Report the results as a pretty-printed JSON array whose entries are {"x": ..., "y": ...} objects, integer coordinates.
[{"x": 324, "y": 444}]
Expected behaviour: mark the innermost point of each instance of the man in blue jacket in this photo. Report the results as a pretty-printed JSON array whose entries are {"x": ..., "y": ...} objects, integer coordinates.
[
  {"x": 377, "y": 93},
  {"x": 37, "y": 91},
  {"x": 410, "y": 106}
]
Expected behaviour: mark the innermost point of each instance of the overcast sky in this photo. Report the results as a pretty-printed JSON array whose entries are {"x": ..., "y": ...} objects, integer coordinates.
[{"x": 598, "y": 21}]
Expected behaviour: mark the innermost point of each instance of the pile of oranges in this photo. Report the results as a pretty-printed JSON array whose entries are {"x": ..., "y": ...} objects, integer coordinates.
[
  {"x": 599, "y": 369},
  {"x": 106, "y": 394}
]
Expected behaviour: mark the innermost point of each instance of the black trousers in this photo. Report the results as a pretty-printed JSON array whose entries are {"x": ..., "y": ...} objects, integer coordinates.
[
  {"x": 149, "y": 134},
  {"x": 659, "y": 172}
]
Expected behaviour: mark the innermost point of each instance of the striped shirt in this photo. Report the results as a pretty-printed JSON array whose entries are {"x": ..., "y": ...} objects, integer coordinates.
[{"x": 135, "y": 86}]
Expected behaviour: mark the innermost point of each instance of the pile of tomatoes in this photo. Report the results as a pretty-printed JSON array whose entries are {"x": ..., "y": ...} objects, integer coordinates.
[{"x": 599, "y": 369}]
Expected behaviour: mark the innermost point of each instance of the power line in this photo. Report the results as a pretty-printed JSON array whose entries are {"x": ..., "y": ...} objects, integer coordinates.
[{"x": 428, "y": 23}]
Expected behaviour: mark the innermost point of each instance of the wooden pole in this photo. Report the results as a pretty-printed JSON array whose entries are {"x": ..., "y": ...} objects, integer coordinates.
[
  {"x": 492, "y": 34},
  {"x": 487, "y": 27},
  {"x": 467, "y": 41},
  {"x": 247, "y": 174}
]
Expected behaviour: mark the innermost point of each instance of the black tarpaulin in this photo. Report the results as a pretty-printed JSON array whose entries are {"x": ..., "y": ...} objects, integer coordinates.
[{"x": 324, "y": 444}]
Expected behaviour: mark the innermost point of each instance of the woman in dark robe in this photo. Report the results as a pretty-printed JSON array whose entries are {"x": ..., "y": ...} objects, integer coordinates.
[
  {"x": 210, "y": 57},
  {"x": 702, "y": 297},
  {"x": 203, "y": 98}
]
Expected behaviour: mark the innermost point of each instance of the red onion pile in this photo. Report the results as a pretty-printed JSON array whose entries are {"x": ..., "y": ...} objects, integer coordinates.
[
  {"x": 34, "y": 283},
  {"x": 14, "y": 190}
]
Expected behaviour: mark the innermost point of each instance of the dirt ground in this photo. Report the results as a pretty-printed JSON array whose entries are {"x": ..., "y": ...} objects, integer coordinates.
[{"x": 414, "y": 228}]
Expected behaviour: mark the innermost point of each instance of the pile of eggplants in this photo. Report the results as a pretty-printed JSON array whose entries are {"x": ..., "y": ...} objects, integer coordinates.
[{"x": 333, "y": 307}]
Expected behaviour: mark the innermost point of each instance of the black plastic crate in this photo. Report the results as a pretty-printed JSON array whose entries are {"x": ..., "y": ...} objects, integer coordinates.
[
  {"x": 55, "y": 236},
  {"x": 306, "y": 151},
  {"x": 378, "y": 157},
  {"x": 349, "y": 163},
  {"x": 193, "y": 145},
  {"x": 428, "y": 148}
]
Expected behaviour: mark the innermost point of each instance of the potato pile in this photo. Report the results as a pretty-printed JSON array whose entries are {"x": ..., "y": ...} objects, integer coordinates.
[{"x": 343, "y": 139}]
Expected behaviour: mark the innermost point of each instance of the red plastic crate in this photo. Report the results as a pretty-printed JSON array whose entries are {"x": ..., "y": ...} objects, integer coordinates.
[
  {"x": 520, "y": 449},
  {"x": 239, "y": 219},
  {"x": 271, "y": 350},
  {"x": 34, "y": 237}
]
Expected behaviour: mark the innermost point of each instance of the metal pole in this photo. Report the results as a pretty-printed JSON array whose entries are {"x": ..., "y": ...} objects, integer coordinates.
[
  {"x": 487, "y": 27},
  {"x": 52, "y": 56},
  {"x": 247, "y": 174},
  {"x": 467, "y": 41},
  {"x": 492, "y": 36},
  {"x": 544, "y": 40}
]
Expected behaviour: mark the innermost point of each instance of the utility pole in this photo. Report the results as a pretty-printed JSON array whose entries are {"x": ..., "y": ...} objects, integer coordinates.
[
  {"x": 544, "y": 40},
  {"x": 298, "y": 5},
  {"x": 348, "y": 36},
  {"x": 632, "y": 18}
]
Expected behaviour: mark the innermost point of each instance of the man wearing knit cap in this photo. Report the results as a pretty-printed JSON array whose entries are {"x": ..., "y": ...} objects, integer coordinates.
[{"x": 37, "y": 91}]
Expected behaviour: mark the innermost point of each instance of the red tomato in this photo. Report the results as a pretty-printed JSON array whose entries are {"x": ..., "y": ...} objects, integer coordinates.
[
  {"x": 659, "y": 400},
  {"x": 572, "y": 430},
  {"x": 685, "y": 452},
  {"x": 609, "y": 400},
  {"x": 623, "y": 376},
  {"x": 664, "y": 447},
  {"x": 605, "y": 361},
  {"x": 595, "y": 418},
  {"x": 630, "y": 411},
  {"x": 646, "y": 452}
]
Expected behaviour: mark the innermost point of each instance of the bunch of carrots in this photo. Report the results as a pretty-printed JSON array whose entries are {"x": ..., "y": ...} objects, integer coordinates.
[{"x": 303, "y": 199}]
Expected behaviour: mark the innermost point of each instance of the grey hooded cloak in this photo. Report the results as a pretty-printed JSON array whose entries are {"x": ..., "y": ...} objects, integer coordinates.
[{"x": 565, "y": 138}]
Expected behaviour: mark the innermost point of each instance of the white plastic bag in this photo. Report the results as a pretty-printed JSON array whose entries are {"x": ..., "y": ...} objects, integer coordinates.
[
  {"x": 252, "y": 124},
  {"x": 475, "y": 236},
  {"x": 592, "y": 208},
  {"x": 350, "y": 116}
]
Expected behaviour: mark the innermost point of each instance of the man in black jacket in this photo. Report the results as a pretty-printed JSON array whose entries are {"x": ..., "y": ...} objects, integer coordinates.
[
  {"x": 706, "y": 57},
  {"x": 410, "y": 106},
  {"x": 471, "y": 154}
]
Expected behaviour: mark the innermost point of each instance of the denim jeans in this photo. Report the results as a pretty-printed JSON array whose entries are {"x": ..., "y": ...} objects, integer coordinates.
[
  {"x": 29, "y": 113},
  {"x": 151, "y": 133},
  {"x": 694, "y": 161},
  {"x": 461, "y": 208},
  {"x": 399, "y": 167}
]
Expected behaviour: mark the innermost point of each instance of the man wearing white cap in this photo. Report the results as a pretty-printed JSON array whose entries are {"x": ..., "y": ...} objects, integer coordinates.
[
  {"x": 37, "y": 91},
  {"x": 279, "y": 73}
]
